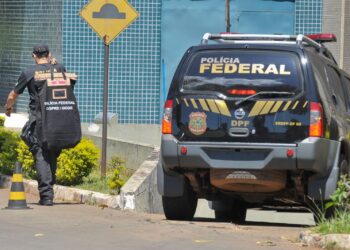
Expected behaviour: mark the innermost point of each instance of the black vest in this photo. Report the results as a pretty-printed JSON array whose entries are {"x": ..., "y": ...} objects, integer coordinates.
[{"x": 57, "y": 115}]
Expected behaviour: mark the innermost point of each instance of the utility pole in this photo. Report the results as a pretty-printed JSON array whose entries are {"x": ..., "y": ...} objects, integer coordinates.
[{"x": 227, "y": 16}]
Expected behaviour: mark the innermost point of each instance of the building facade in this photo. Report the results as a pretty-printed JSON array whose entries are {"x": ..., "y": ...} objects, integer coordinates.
[{"x": 144, "y": 57}]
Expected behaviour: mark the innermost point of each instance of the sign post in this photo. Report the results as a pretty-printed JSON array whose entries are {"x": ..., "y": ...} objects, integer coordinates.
[
  {"x": 108, "y": 18},
  {"x": 227, "y": 16},
  {"x": 105, "y": 111}
]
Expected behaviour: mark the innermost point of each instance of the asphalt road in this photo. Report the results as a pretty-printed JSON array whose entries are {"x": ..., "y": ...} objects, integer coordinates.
[{"x": 78, "y": 226}]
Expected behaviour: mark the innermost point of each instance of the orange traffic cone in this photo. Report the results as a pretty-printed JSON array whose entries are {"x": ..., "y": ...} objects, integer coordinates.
[{"x": 17, "y": 196}]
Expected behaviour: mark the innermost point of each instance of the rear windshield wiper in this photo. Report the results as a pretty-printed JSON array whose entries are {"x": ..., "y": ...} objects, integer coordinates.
[{"x": 265, "y": 93}]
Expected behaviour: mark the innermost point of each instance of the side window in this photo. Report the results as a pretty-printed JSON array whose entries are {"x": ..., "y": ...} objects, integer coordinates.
[
  {"x": 346, "y": 84},
  {"x": 334, "y": 80},
  {"x": 321, "y": 79}
]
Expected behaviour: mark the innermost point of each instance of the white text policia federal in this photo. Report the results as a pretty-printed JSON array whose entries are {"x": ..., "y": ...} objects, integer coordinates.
[{"x": 226, "y": 65}]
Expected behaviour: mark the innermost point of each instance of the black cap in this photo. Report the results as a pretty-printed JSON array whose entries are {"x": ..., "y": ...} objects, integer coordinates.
[{"x": 41, "y": 49}]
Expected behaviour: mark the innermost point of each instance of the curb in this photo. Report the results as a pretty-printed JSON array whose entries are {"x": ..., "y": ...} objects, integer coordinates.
[
  {"x": 339, "y": 241},
  {"x": 140, "y": 192},
  {"x": 69, "y": 194}
]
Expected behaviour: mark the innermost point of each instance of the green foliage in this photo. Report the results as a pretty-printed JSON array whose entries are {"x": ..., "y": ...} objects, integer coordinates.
[
  {"x": 25, "y": 157},
  {"x": 2, "y": 121},
  {"x": 340, "y": 202},
  {"x": 339, "y": 224},
  {"x": 76, "y": 163},
  {"x": 94, "y": 182},
  {"x": 72, "y": 165},
  {"x": 120, "y": 174},
  {"x": 8, "y": 155},
  {"x": 116, "y": 162},
  {"x": 340, "y": 199}
]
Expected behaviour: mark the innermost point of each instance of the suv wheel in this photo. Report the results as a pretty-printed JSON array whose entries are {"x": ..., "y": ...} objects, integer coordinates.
[
  {"x": 237, "y": 213},
  {"x": 222, "y": 215},
  {"x": 343, "y": 166},
  {"x": 182, "y": 207}
]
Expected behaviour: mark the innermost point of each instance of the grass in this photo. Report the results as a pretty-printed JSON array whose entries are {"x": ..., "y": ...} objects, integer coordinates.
[
  {"x": 94, "y": 182},
  {"x": 340, "y": 224}
]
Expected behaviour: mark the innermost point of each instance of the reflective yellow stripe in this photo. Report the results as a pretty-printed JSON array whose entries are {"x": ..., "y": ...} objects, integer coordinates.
[
  {"x": 212, "y": 106},
  {"x": 223, "y": 107},
  {"x": 295, "y": 105},
  {"x": 257, "y": 108},
  {"x": 287, "y": 105},
  {"x": 17, "y": 178},
  {"x": 17, "y": 196},
  {"x": 177, "y": 100},
  {"x": 186, "y": 102},
  {"x": 305, "y": 104},
  {"x": 276, "y": 107},
  {"x": 267, "y": 107},
  {"x": 194, "y": 103},
  {"x": 203, "y": 104}
]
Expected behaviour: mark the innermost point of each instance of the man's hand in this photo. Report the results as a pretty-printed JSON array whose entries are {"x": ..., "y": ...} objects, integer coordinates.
[
  {"x": 11, "y": 99},
  {"x": 53, "y": 60},
  {"x": 8, "y": 111}
]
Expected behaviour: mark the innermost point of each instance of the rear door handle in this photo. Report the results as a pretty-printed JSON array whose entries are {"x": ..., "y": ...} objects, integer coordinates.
[{"x": 238, "y": 132}]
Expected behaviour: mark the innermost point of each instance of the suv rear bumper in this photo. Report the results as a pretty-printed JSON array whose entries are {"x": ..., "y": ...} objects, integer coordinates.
[{"x": 313, "y": 154}]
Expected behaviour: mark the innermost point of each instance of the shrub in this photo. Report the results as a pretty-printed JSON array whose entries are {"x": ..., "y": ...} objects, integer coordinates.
[
  {"x": 8, "y": 155},
  {"x": 76, "y": 163},
  {"x": 120, "y": 174},
  {"x": 116, "y": 162},
  {"x": 2, "y": 121},
  {"x": 72, "y": 165},
  {"x": 25, "y": 157},
  {"x": 339, "y": 223},
  {"x": 340, "y": 199}
]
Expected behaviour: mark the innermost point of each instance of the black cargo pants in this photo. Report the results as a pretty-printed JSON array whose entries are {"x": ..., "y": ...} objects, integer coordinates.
[
  {"x": 46, "y": 165},
  {"x": 45, "y": 160}
]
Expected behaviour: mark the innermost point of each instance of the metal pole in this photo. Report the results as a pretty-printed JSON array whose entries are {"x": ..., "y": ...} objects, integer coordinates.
[
  {"x": 105, "y": 110},
  {"x": 227, "y": 16}
]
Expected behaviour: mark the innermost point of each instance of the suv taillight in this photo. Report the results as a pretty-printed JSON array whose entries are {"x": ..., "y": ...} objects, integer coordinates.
[
  {"x": 316, "y": 120},
  {"x": 167, "y": 117}
]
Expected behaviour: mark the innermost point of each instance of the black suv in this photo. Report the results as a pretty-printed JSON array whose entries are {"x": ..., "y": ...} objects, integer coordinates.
[{"x": 253, "y": 119}]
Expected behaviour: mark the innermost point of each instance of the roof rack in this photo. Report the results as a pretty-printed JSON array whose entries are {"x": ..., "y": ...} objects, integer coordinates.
[{"x": 238, "y": 38}]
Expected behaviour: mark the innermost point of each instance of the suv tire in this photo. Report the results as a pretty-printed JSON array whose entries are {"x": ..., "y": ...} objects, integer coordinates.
[
  {"x": 237, "y": 213},
  {"x": 343, "y": 166},
  {"x": 182, "y": 207}
]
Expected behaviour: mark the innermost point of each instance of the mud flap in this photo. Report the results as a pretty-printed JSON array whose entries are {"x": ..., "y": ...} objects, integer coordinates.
[
  {"x": 321, "y": 188},
  {"x": 169, "y": 184}
]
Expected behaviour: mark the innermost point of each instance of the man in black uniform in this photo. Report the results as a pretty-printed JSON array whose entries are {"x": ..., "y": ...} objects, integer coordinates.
[{"x": 45, "y": 160}]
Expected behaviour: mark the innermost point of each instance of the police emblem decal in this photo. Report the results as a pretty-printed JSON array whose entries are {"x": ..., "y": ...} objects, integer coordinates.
[
  {"x": 198, "y": 123},
  {"x": 239, "y": 114}
]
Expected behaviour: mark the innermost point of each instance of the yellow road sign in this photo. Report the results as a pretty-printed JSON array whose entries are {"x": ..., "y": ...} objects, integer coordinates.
[{"x": 108, "y": 18}]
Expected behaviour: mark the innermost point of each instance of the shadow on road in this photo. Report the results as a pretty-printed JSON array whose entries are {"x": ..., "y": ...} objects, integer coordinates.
[
  {"x": 249, "y": 223},
  {"x": 57, "y": 203}
]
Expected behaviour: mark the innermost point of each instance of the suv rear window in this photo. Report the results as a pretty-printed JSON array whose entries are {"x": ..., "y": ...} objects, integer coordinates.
[{"x": 241, "y": 69}]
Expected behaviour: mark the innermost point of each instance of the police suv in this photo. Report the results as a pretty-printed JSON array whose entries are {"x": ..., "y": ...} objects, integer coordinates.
[{"x": 251, "y": 120}]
